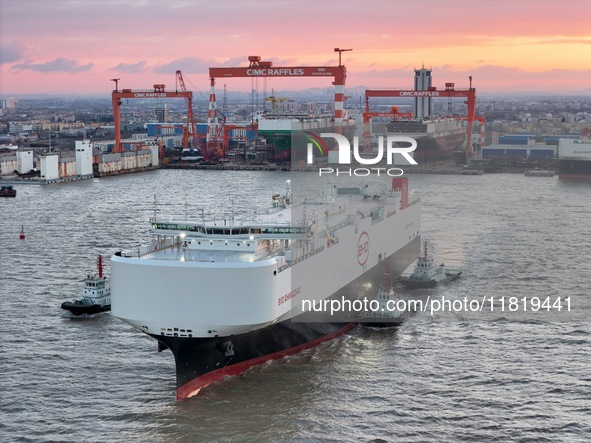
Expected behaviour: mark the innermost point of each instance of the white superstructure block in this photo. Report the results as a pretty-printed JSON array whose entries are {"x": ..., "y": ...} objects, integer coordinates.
[
  {"x": 83, "y": 158},
  {"x": 24, "y": 160}
]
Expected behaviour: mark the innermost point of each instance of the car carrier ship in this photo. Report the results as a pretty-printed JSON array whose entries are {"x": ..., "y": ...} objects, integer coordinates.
[
  {"x": 225, "y": 296},
  {"x": 574, "y": 159}
]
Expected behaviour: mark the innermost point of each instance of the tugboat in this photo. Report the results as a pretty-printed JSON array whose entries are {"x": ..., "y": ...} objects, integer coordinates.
[
  {"x": 96, "y": 296},
  {"x": 386, "y": 313},
  {"x": 7, "y": 191},
  {"x": 426, "y": 275}
]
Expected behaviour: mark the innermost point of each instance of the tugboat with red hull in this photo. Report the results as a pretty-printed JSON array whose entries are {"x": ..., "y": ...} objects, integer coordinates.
[{"x": 227, "y": 296}]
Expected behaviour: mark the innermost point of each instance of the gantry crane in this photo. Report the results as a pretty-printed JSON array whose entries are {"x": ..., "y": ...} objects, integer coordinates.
[
  {"x": 158, "y": 92},
  {"x": 259, "y": 68},
  {"x": 394, "y": 113},
  {"x": 431, "y": 92},
  {"x": 274, "y": 101}
]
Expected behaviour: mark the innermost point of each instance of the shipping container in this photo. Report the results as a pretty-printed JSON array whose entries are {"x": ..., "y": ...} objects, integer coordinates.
[
  {"x": 515, "y": 139},
  {"x": 554, "y": 139},
  {"x": 516, "y": 153},
  {"x": 542, "y": 153},
  {"x": 491, "y": 152}
]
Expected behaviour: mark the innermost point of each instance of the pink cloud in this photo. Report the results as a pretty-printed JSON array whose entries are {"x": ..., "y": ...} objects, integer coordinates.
[
  {"x": 147, "y": 39},
  {"x": 10, "y": 52},
  {"x": 133, "y": 68},
  {"x": 60, "y": 64}
]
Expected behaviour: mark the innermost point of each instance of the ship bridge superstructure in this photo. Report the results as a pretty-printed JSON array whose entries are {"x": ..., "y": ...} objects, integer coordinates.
[
  {"x": 284, "y": 233},
  {"x": 245, "y": 241}
]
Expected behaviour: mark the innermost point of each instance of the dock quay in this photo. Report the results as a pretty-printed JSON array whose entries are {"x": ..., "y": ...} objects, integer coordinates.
[
  {"x": 226, "y": 167},
  {"x": 13, "y": 180},
  {"x": 274, "y": 167},
  {"x": 99, "y": 174},
  {"x": 456, "y": 171}
]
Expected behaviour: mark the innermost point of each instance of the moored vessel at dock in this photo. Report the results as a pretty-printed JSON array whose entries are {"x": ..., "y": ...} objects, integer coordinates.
[
  {"x": 437, "y": 139},
  {"x": 224, "y": 296},
  {"x": 574, "y": 159},
  {"x": 282, "y": 130}
]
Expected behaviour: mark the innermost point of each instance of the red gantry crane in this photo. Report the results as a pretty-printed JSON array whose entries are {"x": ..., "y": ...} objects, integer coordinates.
[
  {"x": 158, "y": 92},
  {"x": 432, "y": 92},
  {"x": 259, "y": 68}
]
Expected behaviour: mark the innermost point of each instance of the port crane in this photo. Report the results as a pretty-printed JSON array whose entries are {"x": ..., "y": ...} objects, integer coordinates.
[
  {"x": 158, "y": 92},
  {"x": 394, "y": 113},
  {"x": 432, "y": 92},
  {"x": 274, "y": 100},
  {"x": 261, "y": 68},
  {"x": 191, "y": 128}
]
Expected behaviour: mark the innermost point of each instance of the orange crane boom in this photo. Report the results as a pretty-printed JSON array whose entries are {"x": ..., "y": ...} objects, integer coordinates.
[{"x": 191, "y": 131}]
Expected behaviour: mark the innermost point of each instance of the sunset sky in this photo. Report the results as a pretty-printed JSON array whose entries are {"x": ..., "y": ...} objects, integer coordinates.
[{"x": 77, "y": 46}]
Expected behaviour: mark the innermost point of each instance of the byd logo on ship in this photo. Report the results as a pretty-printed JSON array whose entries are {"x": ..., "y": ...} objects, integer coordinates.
[
  {"x": 363, "y": 248},
  {"x": 344, "y": 154}
]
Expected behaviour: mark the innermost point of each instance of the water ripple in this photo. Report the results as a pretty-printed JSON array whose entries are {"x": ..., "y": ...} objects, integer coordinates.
[{"x": 435, "y": 378}]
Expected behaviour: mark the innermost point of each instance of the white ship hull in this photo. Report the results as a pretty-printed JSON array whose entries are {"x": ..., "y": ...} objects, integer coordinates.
[
  {"x": 222, "y": 304},
  {"x": 218, "y": 298}
]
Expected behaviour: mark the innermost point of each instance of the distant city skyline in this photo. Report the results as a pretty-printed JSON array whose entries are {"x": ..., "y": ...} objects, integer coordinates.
[{"x": 77, "y": 46}]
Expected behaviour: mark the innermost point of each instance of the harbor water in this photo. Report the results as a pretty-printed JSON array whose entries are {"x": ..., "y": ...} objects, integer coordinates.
[{"x": 442, "y": 376}]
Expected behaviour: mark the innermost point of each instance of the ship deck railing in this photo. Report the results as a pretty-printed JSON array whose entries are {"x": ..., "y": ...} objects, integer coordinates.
[
  {"x": 176, "y": 251},
  {"x": 323, "y": 228},
  {"x": 154, "y": 246}
]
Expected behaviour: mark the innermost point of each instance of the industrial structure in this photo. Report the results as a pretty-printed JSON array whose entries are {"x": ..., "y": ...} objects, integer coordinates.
[
  {"x": 158, "y": 92},
  {"x": 393, "y": 114},
  {"x": 49, "y": 167},
  {"x": 422, "y": 103},
  {"x": 259, "y": 68}
]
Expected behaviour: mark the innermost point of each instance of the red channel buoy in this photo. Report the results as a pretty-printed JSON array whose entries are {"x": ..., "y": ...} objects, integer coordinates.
[{"x": 22, "y": 236}]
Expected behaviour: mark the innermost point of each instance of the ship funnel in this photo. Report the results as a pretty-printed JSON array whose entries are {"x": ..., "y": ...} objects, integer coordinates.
[{"x": 401, "y": 184}]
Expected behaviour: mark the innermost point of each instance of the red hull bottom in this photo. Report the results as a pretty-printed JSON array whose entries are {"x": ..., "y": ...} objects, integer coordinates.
[
  {"x": 575, "y": 176},
  {"x": 194, "y": 386},
  {"x": 202, "y": 360}
]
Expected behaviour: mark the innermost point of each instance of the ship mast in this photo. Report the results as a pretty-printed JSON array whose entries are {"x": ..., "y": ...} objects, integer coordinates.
[{"x": 100, "y": 266}]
